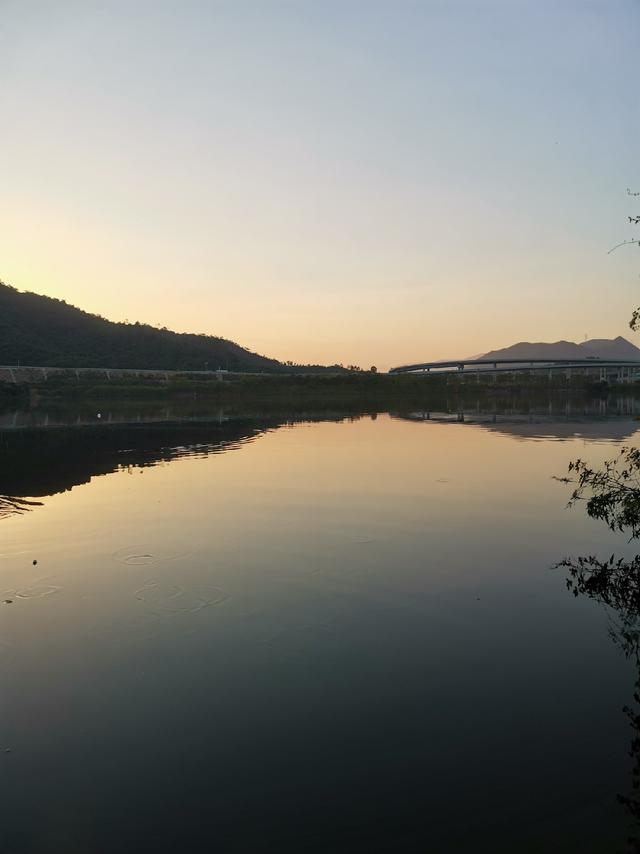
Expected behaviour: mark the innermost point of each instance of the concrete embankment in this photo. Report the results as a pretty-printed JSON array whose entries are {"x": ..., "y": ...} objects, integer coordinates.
[{"x": 31, "y": 375}]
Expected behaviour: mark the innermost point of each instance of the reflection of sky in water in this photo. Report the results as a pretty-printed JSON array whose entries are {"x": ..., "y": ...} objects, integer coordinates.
[{"x": 339, "y": 631}]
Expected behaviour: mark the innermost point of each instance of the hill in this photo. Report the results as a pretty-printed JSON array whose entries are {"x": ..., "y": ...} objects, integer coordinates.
[
  {"x": 39, "y": 330},
  {"x": 603, "y": 348},
  {"x": 616, "y": 348}
]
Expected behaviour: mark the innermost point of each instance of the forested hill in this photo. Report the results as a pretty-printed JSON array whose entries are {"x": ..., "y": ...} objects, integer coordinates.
[{"x": 38, "y": 330}]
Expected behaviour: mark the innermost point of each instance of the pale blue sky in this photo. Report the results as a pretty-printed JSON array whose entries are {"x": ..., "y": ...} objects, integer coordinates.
[{"x": 367, "y": 182}]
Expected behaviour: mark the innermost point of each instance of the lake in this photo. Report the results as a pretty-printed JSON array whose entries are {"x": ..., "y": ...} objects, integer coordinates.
[{"x": 307, "y": 633}]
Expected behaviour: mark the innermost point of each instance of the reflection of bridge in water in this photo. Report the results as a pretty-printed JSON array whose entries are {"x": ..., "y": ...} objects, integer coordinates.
[
  {"x": 600, "y": 420},
  {"x": 620, "y": 370}
]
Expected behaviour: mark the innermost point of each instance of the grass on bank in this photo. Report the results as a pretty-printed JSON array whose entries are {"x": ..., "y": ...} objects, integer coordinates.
[{"x": 363, "y": 388}]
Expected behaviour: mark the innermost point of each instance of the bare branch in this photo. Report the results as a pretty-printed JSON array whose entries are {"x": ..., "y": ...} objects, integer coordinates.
[{"x": 624, "y": 243}]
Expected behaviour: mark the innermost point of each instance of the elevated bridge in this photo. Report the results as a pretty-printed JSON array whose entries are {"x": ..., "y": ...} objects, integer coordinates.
[{"x": 620, "y": 370}]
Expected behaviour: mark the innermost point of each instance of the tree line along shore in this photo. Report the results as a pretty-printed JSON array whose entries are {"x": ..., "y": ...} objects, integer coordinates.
[{"x": 228, "y": 388}]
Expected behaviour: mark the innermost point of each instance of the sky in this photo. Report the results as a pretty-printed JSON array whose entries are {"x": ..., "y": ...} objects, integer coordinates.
[{"x": 347, "y": 181}]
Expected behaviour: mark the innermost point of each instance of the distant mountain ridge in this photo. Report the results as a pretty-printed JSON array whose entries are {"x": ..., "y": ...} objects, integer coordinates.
[
  {"x": 39, "y": 330},
  {"x": 602, "y": 348}
]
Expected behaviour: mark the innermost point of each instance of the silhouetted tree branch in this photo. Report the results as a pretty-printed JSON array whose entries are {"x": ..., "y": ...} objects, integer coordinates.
[
  {"x": 634, "y": 323},
  {"x": 612, "y": 494}
]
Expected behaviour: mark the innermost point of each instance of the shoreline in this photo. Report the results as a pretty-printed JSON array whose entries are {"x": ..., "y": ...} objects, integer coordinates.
[
  {"x": 361, "y": 386},
  {"x": 355, "y": 393}
]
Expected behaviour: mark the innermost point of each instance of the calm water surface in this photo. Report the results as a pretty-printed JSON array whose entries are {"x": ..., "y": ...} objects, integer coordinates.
[{"x": 251, "y": 635}]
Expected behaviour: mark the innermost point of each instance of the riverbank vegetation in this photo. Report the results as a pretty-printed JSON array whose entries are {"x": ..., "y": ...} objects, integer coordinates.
[
  {"x": 352, "y": 391},
  {"x": 360, "y": 384}
]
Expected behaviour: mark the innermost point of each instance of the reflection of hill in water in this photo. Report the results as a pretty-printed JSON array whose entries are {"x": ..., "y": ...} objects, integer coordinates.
[
  {"x": 532, "y": 426},
  {"x": 42, "y": 455},
  {"x": 40, "y": 462}
]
